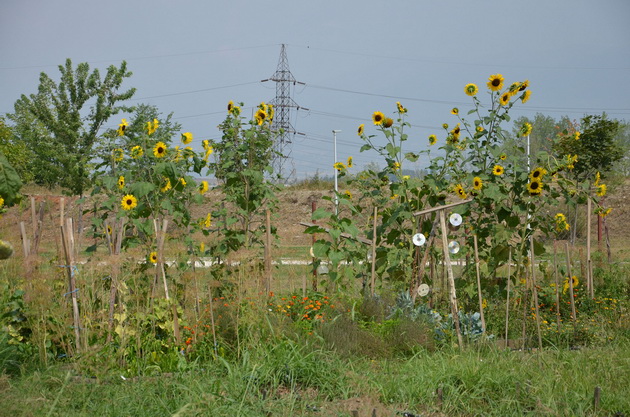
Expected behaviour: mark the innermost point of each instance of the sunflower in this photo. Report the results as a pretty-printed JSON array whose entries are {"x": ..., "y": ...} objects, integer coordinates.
[
  {"x": 166, "y": 185},
  {"x": 203, "y": 187},
  {"x": 396, "y": 166},
  {"x": 598, "y": 177},
  {"x": 152, "y": 126},
  {"x": 455, "y": 111},
  {"x": 505, "y": 98},
  {"x": 159, "y": 150},
  {"x": 525, "y": 130},
  {"x": 576, "y": 135},
  {"x": 503, "y": 157},
  {"x": 535, "y": 187},
  {"x": 401, "y": 109},
  {"x": 525, "y": 96},
  {"x": 537, "y": 174},
  {"x": 137, "y": 152},
  {"x": 459, "y": 190},
  {"x": 260, "y": 116},
  {"x": 561, "y": 222},
  {"x": 153, "y": 257},
  {"x": 339, "y": 166},
  {"x": 121, "y": 127},
  {"x": 202, "y": 247},
  {"x": 495, "y": 82},
  {"x": 118, "y": 154},
  {"x": 456, "y": 131},
  {"x": 444, "y": 126},
  {"x": 479, "y": 128},
  {"x": 388, "y": 122},
  {"x": 209, "y": 151},
  {"x": 128, "y": 202},
  {"x": 187, "y": 138},
  {"x": 348, "y": 194},
  {"x": 230, "y": 106},
  {"x": 182, "y": 181},
  {"x": 498, "y": 170},
  {"x": 604, "y": 212},
  {"x": 523, "y": 85},
  {"x": 207, "y": 222},
  {"x": 378, "y": 117},
  {"x": 109, "y": 230},
  {"x": 270, "y": 113},
  {"x": 432, "y": 139},
  {"x": 121, "y": 182},
  {"x": 477, "y": 183},
  {"x": 360, "y": 129},
  {"x": 1, "y": 202},
  {"x": 349, "y": 162},
  {"x": 471, "y": 89},
  {"x": 574, "y": 281},
  {"x": 601, "y": 190}
]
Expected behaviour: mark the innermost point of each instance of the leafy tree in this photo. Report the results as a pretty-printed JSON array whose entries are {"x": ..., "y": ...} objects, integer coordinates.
[
  {"x": 16, "y": 152},
  {"x": 60, "y": 109},
  {"x": 544, "y": 131},
  {"x": 596, "y": 146}
]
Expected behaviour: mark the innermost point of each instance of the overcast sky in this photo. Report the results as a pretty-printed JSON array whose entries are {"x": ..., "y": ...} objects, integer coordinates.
[{"x": 355, "y": 57}]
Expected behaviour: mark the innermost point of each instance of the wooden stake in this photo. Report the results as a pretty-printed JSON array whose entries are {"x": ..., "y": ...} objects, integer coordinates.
[
  {"x": 535, "y": 290},
  {"x": 589, "y": 278},
  {"x": 573, "y": 315},
  {"x": 313, "y": 239},
  {"x": 425, "y": 257},
  {"x": 555, "y": 268},
  {"x": 507, "y": 302},
  {"x": 26, "y": 246},
  {"x": 483, "y": 320},
  {"x": 33, "y": 216},
  {"x": 67, "y": 248},
  {"x": 451, "y": 279},
  {"x": 268, "y": 252},
  {"x": 373, "y": 272}
]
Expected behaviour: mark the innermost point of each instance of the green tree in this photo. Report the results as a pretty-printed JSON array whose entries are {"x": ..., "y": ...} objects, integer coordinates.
[
  {"x": 596, "y": 146},
  {"x": 16, "y": 152},
  {"x": 544, "y": 131},
  {"x": 71, "y": 130}
]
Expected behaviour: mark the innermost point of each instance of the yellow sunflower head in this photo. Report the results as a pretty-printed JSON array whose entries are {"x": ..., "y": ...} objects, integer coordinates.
[
  {"x": 203, "y": 187},
  {"x": 271, "y": 112},
  {"x": 360, "y": 129},
  {"x": 477, "y": 183},
  {"x": 459, "y": 190},
  {"x": 348, "y": 194},
  {"x": 601, "y": 190},
  {"x": 159, "y": 150},
  {"x": 471, "y": 89},
  {"x": 121, "y": 127},
  {"x": 538, "y": 173},
  {"x": 260, "y": 116},
  {"x": 503, "y": 157},
  {"x": 153, "y": 257},
  {"x": 505, "y": 98},
  {"x": 378, "y": 117},
  {"x": 401, "y": 109},
  {"x": 523, "y": 86},
  {"x": 534, "y": 187},
  {"x": 339, "y": 166},
  {"x": 207, "y": 222},
  {"x": 349, "y": 162},
  {"x": 128, "y": 202},
  {"x": 388, "y": 122},
  {"x": 432, "y": 139},
  {"x": 598, "y": 177},
  {"x": 525, "y": 130},
  {"x": 576, "y": 135},
  {"x": 121, "y": 182},
  {"x": 230, "y": 106},
  {"x": 118, "y": 154},
  {"x": 498, "y": 170},
  {"x": 152, "y": 126},
  {"x": 166, "y": 185},
  {"x": 137, "y": 152},
  {"x": 444, "y": 126},
  {"x": 525, "y": 96},
  {"x": 455, "y": 111},
  {"x": 187, "y": 138},
  {"x": 495, "y": 82}
]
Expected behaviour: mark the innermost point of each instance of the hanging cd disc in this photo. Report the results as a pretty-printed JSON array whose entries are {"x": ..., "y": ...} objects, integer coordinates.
[
  {"x": 423, "y": 290},
  {"x": 322, "y": 270},
  {"x": 418, "y": 239},
  {"x": 455, "y": 219},
  {"x": 453, "y": 247}
]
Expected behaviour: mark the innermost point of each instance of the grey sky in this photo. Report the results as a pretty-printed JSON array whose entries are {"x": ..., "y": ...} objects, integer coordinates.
[{"x": 575, "y": 54}]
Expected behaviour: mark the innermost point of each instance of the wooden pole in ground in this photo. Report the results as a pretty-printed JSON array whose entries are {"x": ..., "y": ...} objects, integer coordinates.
[
  {"x": 589, "y": 269},
  {"x": 451, "y": 279},
  {"x": 313, "y": 239},
  {"x": 268, "y": 252},
  {"x": 483, "y": 320},
  {"x": 373, "y": 272},
  {"x": 72, "y": 290},
  {"x": 573, "y": 315},
  {"x": 33, "y": 216},
  {"x": 555, "y": 268},
  {"x": 507, "y": 302},
  {"x": 160, "y": 237},
  {"x": 535, "y": 291},
  {"x": 425, "y": 258}
]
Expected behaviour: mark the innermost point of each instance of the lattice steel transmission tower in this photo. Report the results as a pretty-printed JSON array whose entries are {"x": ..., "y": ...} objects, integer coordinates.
[{"x": 283, "y": 103}]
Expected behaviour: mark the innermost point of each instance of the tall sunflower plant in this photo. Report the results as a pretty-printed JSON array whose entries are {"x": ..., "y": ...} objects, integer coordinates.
[{"x": 147, "y": 176}]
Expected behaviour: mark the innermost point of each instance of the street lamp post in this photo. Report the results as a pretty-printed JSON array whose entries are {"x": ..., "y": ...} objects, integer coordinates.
[{"x": 334, "y": 162}]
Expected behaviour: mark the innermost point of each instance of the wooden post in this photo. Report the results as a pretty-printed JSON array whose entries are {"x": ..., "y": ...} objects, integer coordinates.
[
  {"x": 26, "y": 246},
  {"x": 451, "y": 279},
  {"x": 313, "y": 239},
  {"x": 535, "y": 290},
  {"x": 507, "y": 302},
  {"x": 33, "y": 216},
  {"x": 483, "y": 320},
  {"x": 555, "y": 268},
  {"x": 596, "y": 398},
  {"x": 573, "y": 315},
  {"x": 72, "y": 290},
  {"x": 589, "y": 278},
  {"x": 373, "y": 272},
  {"x": 268, "y": 252}
]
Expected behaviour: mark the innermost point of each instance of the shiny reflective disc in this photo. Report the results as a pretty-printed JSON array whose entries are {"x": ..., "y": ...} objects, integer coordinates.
[
  {"x": 423, "y": 290},
  {"x": 455, "y": 219},
  {"x": 453, "y": 247},
  {"x": 418, "y": 239}
]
